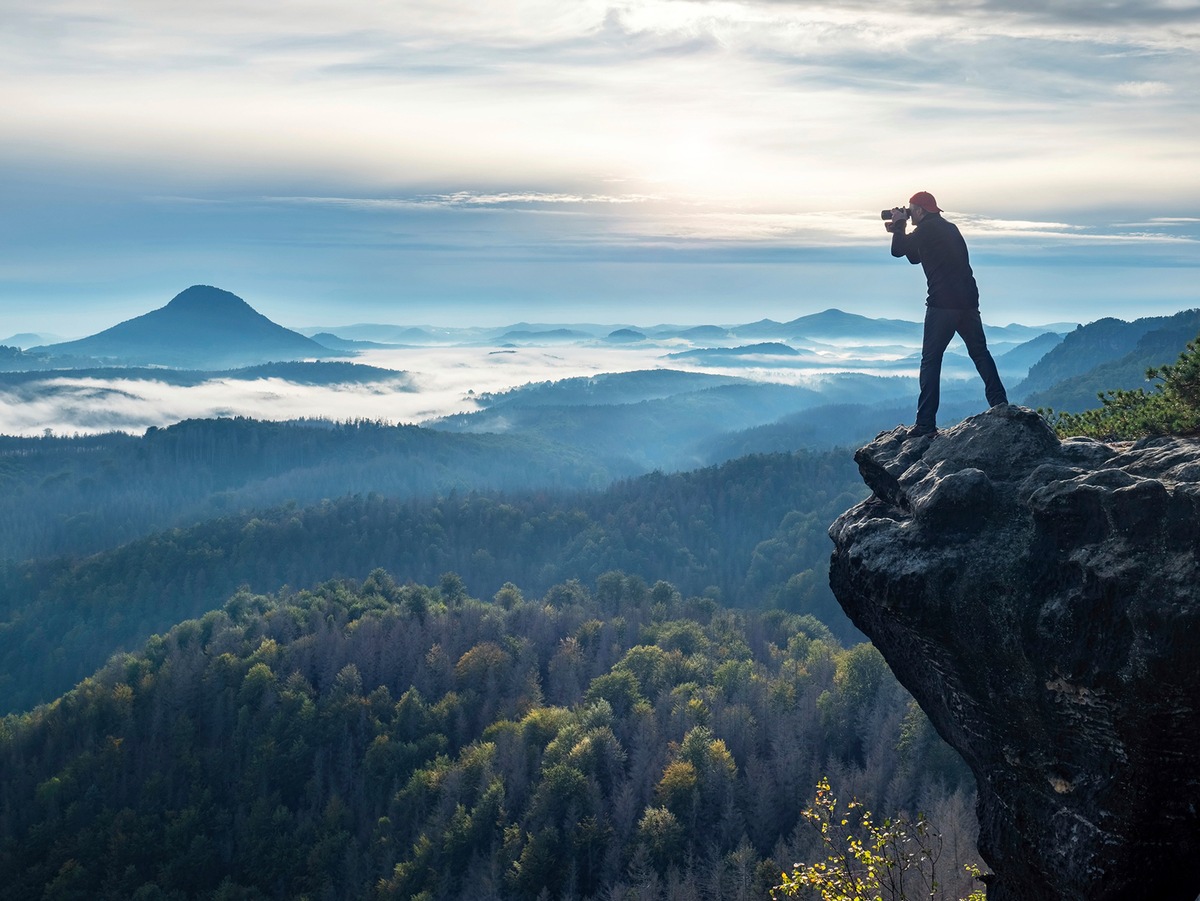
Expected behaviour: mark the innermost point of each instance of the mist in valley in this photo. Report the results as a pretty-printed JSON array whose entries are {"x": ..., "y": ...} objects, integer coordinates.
[
  {"x": 429, "y": 383},
  {"x": 548, "y": 524}
]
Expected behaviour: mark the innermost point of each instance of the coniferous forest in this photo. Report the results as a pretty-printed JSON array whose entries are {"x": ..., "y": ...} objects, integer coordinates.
[
  {"x": 750, "y": 532},
  {"x": 378, "y": 740},
  {"x": 538, "y": 692}
]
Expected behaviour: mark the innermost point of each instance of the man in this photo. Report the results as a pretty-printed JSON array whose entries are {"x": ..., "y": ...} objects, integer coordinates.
[{"x": 952, "y": 305}]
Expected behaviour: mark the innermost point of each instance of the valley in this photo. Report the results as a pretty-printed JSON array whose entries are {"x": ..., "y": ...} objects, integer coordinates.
[{"x": 540, "y": 611}]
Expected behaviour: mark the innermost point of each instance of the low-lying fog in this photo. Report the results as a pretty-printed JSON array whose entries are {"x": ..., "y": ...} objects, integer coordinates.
[{"x": 442, "y": 381}]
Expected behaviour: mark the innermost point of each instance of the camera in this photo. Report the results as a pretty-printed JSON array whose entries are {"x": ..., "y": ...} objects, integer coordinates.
[{"x": 887, "y": 214}]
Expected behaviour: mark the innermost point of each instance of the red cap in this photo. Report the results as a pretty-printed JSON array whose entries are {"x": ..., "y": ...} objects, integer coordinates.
[{"x": 925, "y": 201}]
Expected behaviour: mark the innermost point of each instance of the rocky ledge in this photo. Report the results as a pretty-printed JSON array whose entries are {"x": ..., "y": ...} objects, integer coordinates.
[{"x": 1041, "y": 601}]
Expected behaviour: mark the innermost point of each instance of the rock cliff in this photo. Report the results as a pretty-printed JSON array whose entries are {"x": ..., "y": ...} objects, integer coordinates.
[{"x": 1041, "y": 601}]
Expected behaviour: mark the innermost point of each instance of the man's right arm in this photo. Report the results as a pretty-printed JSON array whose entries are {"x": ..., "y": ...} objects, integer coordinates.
[{"x": 904, "y": 244}]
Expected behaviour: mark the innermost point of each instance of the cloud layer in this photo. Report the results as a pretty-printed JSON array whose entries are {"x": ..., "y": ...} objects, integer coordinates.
[
  {"x": 446, "y": 381},
  {"x": 415, "y": 158}
]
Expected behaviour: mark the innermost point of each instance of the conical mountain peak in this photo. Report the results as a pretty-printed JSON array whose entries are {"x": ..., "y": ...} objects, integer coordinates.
[
  {"x": 208, "y": 298},
  {"x": 201, "y": 327}
]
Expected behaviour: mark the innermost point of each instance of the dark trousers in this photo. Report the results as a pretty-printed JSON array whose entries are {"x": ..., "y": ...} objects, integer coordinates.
[{"x": 940, "y": 325}]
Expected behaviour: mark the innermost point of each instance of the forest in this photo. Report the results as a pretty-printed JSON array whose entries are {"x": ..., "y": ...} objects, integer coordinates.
[
  {"x": 246, "y": 660},
  {"x": 82, "y": 494},
  {"x": 750, "y": 532},
  {"x": 302, "y": 660},
  {"x": 627, "y": 692},
  {"x": 377, "y": 740}
]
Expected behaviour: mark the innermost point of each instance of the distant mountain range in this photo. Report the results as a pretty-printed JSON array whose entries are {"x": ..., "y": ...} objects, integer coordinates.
[
  {"x": 207, "y": 330},
  {"x": 333, "y": 342},
  {"x": 546, "y": 336},
  {"x": 747, "y": 354},
  {"x": 28, "y": 339},
  {"x": 836, "y": 325},
  {"x": 296, "y": 372},
  {"x": 831, "y": 326},
  {"x": 624, "y": 336},
  {"x": 1023, "y": 356},
  {"x": 671, "y": 419},
  {"x": 201, "y": 328}
]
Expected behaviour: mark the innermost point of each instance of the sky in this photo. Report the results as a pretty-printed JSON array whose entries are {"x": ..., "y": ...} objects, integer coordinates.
[{"x": 449, "y": 163}]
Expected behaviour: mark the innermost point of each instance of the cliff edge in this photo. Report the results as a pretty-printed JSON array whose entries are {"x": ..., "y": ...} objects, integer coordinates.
[{"x": 1041, "y": 601}]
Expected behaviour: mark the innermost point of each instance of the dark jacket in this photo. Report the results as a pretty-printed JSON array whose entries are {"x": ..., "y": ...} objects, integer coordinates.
[{"x": 940, "y": 249}]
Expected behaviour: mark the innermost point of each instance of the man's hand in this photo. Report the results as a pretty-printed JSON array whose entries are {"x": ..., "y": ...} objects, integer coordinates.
[{"x": 899, "y": 217}]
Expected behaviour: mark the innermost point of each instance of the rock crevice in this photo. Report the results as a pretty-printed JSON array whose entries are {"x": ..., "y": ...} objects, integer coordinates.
[{"x": 1041, "y": 601}]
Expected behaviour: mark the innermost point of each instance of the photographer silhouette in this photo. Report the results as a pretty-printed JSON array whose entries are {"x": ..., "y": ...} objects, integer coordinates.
[{"x": 952, "y": 304}]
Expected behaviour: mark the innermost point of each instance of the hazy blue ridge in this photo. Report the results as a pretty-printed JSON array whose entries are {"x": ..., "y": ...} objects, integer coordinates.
[
  {"x": 14, "y": 360},
  {"x": 751, "y": 530},
  {"x": 1094, "y": 344},
  {"x": 13, "y": 357},
  {"x": 333, "y": 342},
  {"x": 849, "y": 423},
  {"x": 703, "y": 333},
  {"x": 1161, "y": 345},
  {"x": 839, "y": 325},
  {"x": 652, "y": 434},
  {"x": 26, "y": 340},
  {"x": 687, "y": 428},
  {"x": 763, "y": 328},
  {"x": 624, "y": 335},
  {"x": 606, "y": 388},
  {"x": 310, "y": 372},
  {"x": 389, "y": 335},
  {"x": 1024, "y": 356},
  {"x": 85, "y": 494},
  {"x": 830, "y": 425},
  {"x": 553, "y": 336},
  {"x": 1019, "y": 333},
  {"x": 729, "y": 355}
]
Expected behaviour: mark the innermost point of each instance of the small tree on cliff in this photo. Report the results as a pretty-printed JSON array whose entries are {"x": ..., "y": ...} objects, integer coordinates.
[
  {"x": 1172, "y": 408},
  {"x": 896, "y": 860}
]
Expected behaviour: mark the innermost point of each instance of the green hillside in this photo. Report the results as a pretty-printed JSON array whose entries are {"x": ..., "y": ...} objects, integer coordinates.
[{"x": 397, "y": 742}]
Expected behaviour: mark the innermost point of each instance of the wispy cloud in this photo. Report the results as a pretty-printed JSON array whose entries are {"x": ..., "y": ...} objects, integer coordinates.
[
  {"x": 405, "y": 151},
  {"x": 741, "y": 101},
  {"x": 470, "y": 199},
  {"x": 1001, "y": 14},
  {"x": 1144, "y": 89}
]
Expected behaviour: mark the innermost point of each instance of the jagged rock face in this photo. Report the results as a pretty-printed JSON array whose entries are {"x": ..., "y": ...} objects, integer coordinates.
[{"x": 1041, "y": 601}]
